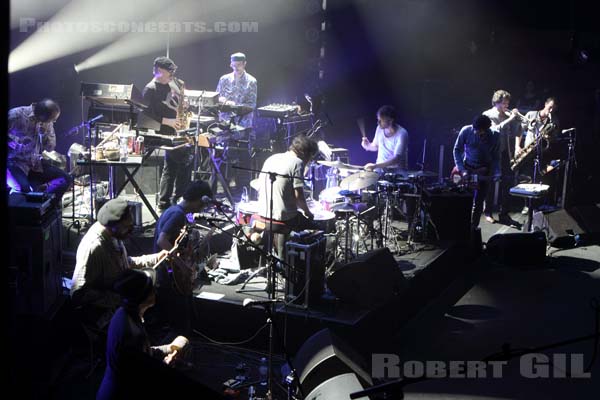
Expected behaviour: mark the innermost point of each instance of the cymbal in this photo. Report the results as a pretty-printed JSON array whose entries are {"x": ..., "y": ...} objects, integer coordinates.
[
  {"x": 359, "y": 180},
  {"x": 339, "y": 164}
]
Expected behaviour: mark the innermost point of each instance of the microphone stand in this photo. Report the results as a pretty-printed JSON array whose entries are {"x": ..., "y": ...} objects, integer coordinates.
[{"x": 89, "y": 126}]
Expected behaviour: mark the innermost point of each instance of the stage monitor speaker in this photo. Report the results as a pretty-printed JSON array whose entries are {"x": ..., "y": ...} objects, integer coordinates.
[
  {"x": 450, "y": 214},
  {"x": 518, "y": 249},
  {"x": 561, "y": 227},
  {"x": 337, "y": 388},
  {"x": 370, "y": 279},
  {"x": 323, "y": 356}
]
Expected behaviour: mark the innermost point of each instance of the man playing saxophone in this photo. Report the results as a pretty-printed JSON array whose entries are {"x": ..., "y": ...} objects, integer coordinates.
[
  {"x": 536, "y": 122},
  {"x": 164, "y": 97}
]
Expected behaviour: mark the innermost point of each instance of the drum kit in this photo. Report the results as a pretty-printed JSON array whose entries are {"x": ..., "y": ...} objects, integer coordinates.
[{"x": 358, "y": 207}]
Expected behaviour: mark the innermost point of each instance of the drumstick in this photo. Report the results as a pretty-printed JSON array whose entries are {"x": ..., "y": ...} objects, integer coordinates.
[{"x": 361, "y": 126}]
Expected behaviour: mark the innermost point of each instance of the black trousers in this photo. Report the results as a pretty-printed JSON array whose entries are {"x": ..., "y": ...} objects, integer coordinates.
[
  {"x": 506, "y": 182},
  {"x": 176, "y": 175}
]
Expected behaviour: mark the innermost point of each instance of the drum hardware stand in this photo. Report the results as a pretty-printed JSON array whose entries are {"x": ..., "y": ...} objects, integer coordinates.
[{"x": 410, "y": 242}]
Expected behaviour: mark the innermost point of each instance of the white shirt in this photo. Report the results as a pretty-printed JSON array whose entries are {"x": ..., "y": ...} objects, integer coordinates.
[{"x": 392, "y": 146}]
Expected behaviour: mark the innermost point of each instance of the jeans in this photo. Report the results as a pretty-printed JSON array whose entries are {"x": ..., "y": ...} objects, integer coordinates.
[{"x": 56, "y": 180}]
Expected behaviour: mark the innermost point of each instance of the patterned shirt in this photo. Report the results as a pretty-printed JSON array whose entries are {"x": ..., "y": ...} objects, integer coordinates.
[
  {"x": 100, "y": 260},
  {"x": 27, "y": 138},
  {"x": 242, "y": 92}
]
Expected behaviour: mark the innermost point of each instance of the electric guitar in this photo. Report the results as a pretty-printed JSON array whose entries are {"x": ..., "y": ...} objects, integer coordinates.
[
  {"x": 473, "y": 177},
  {"x": 182, "y": 260}
]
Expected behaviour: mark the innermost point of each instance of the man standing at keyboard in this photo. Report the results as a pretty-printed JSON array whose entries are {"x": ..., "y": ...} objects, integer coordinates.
[
  {"x": 476, "y": 152},
  {"x": 162, "y": 95},
  {"x": 238, "y": 90}
]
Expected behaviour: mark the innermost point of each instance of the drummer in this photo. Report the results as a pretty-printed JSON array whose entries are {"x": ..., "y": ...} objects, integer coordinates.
[
  {"x": 288, "y": 193},
  {"x": 390, "y": 143}
]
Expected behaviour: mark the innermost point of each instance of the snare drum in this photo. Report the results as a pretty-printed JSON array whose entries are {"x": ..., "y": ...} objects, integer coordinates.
[
  {"x": 245, "y": 211},
  {"x": 325, "y": 220},
  {"x": 330, "y": 197}
]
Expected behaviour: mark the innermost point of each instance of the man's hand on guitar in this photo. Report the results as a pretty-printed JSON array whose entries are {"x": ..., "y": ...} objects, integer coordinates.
[{"x": 176, "y": 348}]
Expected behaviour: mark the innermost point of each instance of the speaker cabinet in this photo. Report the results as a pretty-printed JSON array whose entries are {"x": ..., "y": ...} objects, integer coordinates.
[
  {"x": 371, "y": 279},
  {"x": 518, "y": 249},
  {"x": 561, "y": 226},
  {"x": 35, "y": 259},
  {"x": 450, "y": 214},
  {"x": 323, "y": 356}
]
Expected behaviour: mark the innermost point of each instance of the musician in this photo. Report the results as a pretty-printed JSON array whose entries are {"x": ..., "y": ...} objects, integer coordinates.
[
  {"x": 129, "y": 356},
  {"x": 509, "y": 128},
  {"x": 476, "y": 152},
  {"x": 163, "y": 96},
  {"x": 534, "y": 123},
  {"x": 101, "y": 258},
  {"x": 390, "y": 142},
  {"x": 31, "y": 131},
  {"x": 238, "y": 88},
  {"x": 172, "y": 307},
  {"x": 288, "y": 193}
]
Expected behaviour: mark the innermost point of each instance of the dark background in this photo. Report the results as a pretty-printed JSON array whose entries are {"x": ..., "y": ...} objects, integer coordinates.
[{"x": 437, "y": 61}]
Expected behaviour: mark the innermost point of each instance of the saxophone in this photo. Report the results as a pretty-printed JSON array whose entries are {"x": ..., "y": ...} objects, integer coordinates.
[
  {"x": 183, "y": 116},
  {"x": 544, "y": 135}
]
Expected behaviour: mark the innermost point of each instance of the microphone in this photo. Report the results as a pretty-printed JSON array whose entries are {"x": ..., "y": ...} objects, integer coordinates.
[
  {"x": 250, "y": 302},
  {"x": 568, "y": 130},
  {"x": 96, "y": 118},
  {"x": 214, "y": 202}
]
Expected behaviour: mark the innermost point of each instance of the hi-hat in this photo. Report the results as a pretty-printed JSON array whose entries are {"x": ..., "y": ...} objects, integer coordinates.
[
  {"x": 360, "y": 180},
  {"x": 339, "y": 164}
]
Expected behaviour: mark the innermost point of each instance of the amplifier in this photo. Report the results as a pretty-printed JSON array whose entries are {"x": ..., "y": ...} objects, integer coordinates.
[
  {"x": 449, "y": 214},
  {"x": 29, "y": 209},
  {"x": 305, "y": 272}
]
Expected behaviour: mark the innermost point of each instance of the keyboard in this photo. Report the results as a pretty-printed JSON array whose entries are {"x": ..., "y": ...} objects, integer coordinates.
[
  {"x": 277, "y": 110},
  {"x": 529, "y": 190}
]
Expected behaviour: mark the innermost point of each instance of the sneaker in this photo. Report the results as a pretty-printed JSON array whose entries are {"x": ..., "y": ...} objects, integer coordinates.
[
  {"x": 490, "y": 219},
  {"x": 508, "y": 221},
  {"x": 525, "y": 210}
]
